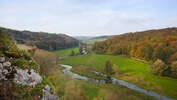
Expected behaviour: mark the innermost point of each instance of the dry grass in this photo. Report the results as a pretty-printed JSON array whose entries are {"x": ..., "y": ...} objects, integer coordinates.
[
  {"x": 45, "y": 59},
  {"x": 24, "y": 47}
]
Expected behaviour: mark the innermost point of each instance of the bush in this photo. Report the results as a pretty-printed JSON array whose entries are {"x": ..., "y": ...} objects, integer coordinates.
[{"x": 20, "y": 63}]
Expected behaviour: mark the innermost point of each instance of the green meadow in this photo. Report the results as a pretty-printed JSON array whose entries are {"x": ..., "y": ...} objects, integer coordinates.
[
  {"x": 66, "y": 52},
  {"x": 125, "y": 68}
]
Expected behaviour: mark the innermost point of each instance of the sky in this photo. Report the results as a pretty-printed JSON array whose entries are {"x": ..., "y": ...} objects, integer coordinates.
[{"x": 88, "y": 17}]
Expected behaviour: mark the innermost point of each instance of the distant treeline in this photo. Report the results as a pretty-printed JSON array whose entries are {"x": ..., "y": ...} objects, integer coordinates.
[
  {"x": 148, "y": 45},
  {"x": 42, "y": 40}
]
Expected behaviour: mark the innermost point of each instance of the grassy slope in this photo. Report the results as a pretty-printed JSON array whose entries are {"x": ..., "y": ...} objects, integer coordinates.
[
  {"x": 66, "y": 52},
  {"x": 129, "y": 70}
]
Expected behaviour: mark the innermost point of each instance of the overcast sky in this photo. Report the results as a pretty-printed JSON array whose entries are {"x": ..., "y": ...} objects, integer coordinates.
[{"x": 88, "y": 17}]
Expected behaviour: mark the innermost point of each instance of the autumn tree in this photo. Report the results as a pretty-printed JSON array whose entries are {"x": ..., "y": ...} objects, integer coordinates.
[
  {"x": 46, "y": 60},
  {"x": 159, "y": 68}
]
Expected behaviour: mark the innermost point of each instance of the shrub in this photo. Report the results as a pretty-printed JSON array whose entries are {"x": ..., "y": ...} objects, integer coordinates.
[{"x": 20, "y": 63}]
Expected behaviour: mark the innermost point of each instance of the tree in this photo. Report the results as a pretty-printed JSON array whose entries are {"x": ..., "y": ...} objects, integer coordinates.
[
  {"x": 80, "y": 50},
  {"x": 148, "y": 55},
  {"x": 108, "y": 68},
  {"x": 72, "y": 53},
  {"x": 174, "y": 69},
  {"x": 159, "y": 68}
]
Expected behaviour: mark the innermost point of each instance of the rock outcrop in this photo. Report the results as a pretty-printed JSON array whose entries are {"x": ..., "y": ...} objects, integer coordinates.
[
  {"x": 27, "y": 77},
  {"x": 6, "y": 70},
  {"x": 17, "y": 75}
]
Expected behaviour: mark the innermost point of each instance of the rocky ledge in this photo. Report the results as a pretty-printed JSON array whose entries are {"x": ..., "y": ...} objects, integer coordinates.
[{"x": 27, "y": 77}]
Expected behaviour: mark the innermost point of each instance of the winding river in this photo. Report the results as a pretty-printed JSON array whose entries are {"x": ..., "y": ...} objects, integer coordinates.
[{"x": 114, "y": 81}]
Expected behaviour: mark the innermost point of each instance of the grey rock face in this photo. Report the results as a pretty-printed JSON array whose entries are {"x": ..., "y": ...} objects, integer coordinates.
[
  {"x": 1, "y": 66},
  {"x": 47, "y": 87},
  {"x": 27, "y": 77},
  {"x": 24, "y": 77},
  {"x": 47, "y": 94},
  {"x": 2, "y": 59},
  {"x": 7, "y": 64}
]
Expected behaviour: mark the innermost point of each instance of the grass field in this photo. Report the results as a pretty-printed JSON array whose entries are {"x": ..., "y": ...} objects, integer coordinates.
[
  {"x": 127, "y": 69},
  {"x": 66, "y": 52}
]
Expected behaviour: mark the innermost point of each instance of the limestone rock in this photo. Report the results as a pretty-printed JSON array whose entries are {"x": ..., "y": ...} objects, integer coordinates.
[
  {"x": 47, "y": 87},
  {"x": 7, "y": 64},
  {"x": 27, "y": 77},
  {"x": 47, "y": 94},
  {"x": 2, "y": 59},
  {"x": 1, "y": 66}
]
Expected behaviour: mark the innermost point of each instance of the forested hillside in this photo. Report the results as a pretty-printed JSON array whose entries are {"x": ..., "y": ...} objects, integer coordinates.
[
  {"x": 153, "y": 45},
  {"x": 42, "y": 40}
]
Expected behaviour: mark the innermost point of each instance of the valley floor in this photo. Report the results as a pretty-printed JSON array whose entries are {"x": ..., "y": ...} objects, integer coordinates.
[
  {"x": 126, "y": 69},
  {"x": 73, "y": 89}
]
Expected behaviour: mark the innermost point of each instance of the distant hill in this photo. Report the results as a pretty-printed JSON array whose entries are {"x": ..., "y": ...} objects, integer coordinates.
[
  {"x": 101, "y": 37},
  {"x": 42, "y": 40},
  {"x": 83, "y": 38},
  {"x": 96, "y": 39}
]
